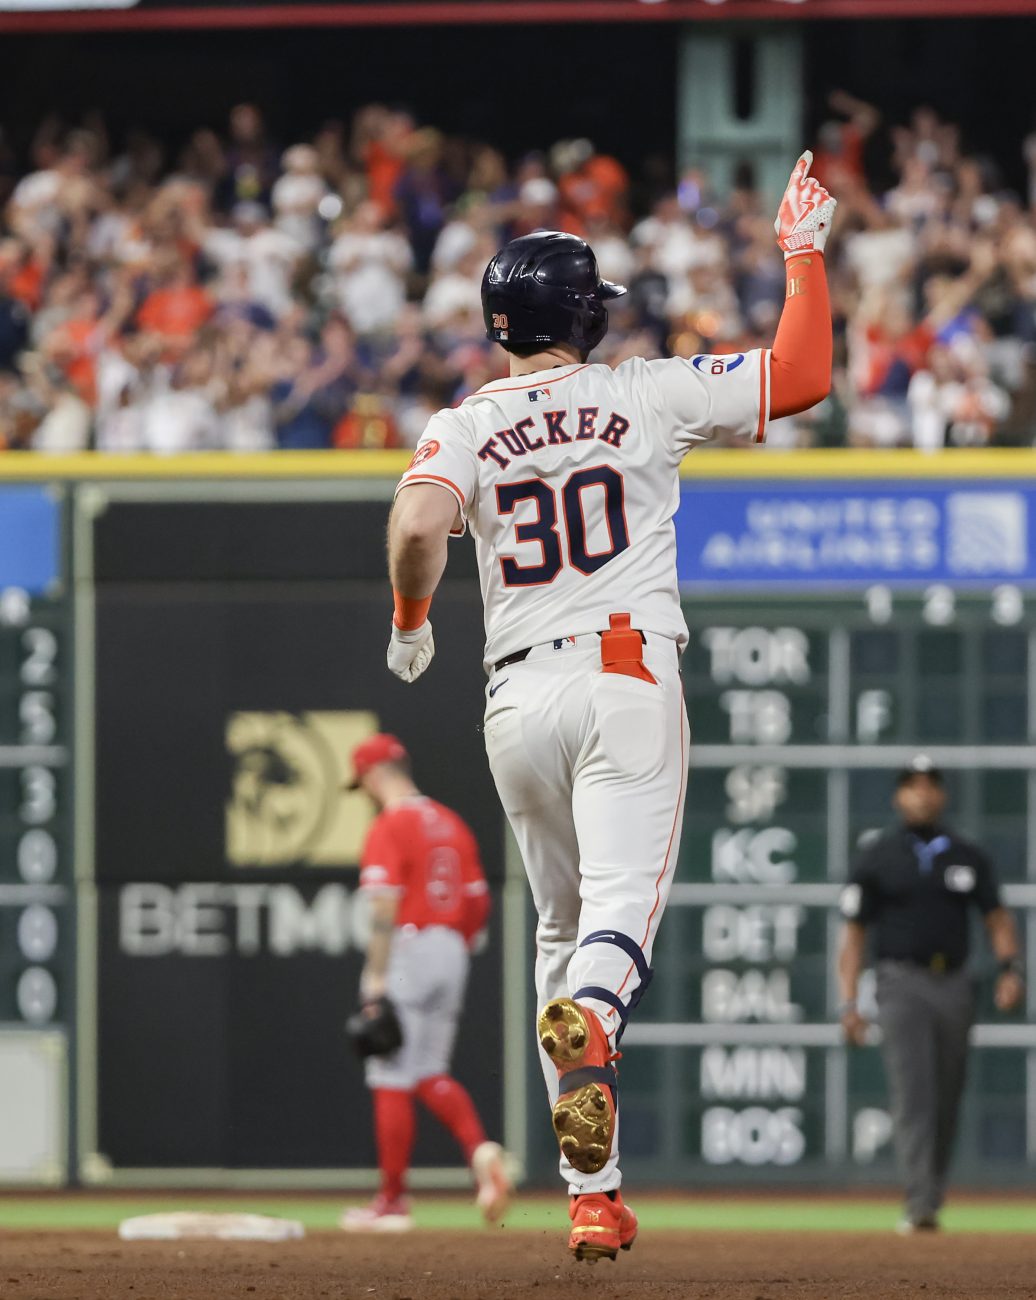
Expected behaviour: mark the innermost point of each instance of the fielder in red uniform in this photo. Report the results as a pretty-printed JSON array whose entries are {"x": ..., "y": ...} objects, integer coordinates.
[{"x": 429, "y": 901}]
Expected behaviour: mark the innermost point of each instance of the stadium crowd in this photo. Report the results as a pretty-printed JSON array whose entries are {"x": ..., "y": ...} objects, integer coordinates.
[{"x": 243, "y": 297}]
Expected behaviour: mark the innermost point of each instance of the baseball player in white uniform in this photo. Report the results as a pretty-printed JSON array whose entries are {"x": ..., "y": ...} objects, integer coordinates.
[{"x": 566, "y": 474}]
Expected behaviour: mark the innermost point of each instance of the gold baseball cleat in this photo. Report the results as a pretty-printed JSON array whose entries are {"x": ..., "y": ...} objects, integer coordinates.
[{"x": 584, "y": 1114}]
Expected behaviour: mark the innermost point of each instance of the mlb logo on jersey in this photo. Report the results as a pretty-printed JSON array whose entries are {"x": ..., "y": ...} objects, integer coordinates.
[
  {"x": 564, "y": 643},
  {"x": 712, "y": 365},
  {"x": 539, "y": 394}
]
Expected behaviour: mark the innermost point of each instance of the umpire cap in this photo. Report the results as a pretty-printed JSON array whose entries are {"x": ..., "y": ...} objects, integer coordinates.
[
  {"x": 920, "y": 765},
  {"x": 546, "y": 288}
]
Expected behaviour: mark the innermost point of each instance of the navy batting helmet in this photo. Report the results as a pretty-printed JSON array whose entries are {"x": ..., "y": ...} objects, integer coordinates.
[{"x": 545, "y": 288}]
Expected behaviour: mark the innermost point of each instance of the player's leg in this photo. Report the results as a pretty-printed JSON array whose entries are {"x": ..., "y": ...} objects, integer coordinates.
[
  {"x": 628, "y": 790},
  {"x": 444, "y": 955},
  {"x": 394, "y": 1127},
  {"x": 445, "y": 961},
  {"x": 908, "y": 1050},
  {"x": 533, "y": 741},
  {"x": 392, "y": 1079},
  {"x": 628, "y": 799}
]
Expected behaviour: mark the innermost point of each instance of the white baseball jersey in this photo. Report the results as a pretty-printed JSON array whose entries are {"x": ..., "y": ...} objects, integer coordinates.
[{"x": 568, "y": 480}]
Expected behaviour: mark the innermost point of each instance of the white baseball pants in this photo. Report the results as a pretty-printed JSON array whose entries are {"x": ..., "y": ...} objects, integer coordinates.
[{"x": 591, "y": 769}]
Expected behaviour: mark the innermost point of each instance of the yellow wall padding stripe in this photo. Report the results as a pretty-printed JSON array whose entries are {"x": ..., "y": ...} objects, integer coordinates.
[{"x": 703, "y": 466}]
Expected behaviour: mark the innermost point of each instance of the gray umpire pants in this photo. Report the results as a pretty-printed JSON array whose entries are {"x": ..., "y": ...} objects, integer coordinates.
[{"x": 925, "y": 1019}]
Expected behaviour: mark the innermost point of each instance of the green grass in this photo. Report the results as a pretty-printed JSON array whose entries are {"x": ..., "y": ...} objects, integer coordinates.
[{"x": 537, "y": 1213}]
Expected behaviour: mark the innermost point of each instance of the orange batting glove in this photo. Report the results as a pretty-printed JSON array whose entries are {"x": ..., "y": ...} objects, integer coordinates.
[{"x": 804, "y": 217}]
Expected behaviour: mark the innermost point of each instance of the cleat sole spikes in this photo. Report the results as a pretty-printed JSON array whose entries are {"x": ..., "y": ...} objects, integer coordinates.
[
  {"x": 584, "y": 1125},
  {"x": 563, "y": 1031}
]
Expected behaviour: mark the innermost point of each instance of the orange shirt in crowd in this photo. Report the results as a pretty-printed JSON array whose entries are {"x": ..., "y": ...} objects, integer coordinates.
[
  {"x": 384, "y": 168},
  {"x": 369, "y": 423},
  {"x": 77, "y": 336},
  {"x": 881, "y": 354},
  {"x": 26, "y": 284},
  {"x": 177, "y": 313},
  {"x": 834, "y": 169},
  {"x": 596, "y": 190}
]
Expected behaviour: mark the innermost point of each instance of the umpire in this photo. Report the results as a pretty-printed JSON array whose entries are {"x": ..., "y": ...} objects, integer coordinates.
[{"x": 910, "y": 895}]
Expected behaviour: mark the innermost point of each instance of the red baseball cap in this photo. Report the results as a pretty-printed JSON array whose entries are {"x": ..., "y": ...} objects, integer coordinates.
[{"x": 381, "y": 748}]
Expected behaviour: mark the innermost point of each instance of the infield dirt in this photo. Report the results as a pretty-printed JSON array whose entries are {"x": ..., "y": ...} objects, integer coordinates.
[{"x": 486, "y": 1266}]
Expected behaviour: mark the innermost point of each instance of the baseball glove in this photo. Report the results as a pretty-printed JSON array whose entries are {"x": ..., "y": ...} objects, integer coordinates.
[{"x": 374, "y": 1030}]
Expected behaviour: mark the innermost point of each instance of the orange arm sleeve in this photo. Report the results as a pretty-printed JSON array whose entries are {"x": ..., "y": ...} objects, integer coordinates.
[{"x": 800, "y": 363}]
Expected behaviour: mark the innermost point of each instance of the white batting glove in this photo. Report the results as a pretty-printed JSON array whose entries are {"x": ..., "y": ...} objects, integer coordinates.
[
  {"x": 410, "y": 653},
  {"x": 804, "y": 217}
]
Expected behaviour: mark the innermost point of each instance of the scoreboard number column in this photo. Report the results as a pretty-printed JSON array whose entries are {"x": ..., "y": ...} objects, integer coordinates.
[
  {"x": 36, "y": 911},
  {"x": 38, "y": 930}
]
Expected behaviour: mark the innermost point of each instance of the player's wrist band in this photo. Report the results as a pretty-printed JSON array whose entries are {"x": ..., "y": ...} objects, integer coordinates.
[
  {"x": 1013, "y": 966},
  {"x": 847, "y": 1006},
  {"x": 410, "y": 614}
]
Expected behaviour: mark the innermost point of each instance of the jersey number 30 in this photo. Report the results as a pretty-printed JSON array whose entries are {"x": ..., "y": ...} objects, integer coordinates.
[{"x": 544, "y": 528}]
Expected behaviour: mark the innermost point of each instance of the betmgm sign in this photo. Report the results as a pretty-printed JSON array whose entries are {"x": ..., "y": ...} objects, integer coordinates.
[{"x": 287, "y": 803}]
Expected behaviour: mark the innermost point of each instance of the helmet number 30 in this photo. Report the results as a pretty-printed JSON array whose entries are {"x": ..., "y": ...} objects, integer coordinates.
[{"x": 544, "y": 528}]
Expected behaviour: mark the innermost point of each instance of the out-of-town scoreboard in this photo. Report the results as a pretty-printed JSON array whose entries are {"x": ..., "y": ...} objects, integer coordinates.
[
  {"x": 37, "y": 943},
  {"x": 837, "y": 630},
  {"x": 35, "y": 794}
]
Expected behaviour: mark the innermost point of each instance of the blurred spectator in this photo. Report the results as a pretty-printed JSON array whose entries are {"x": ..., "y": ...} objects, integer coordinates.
[
  {"x": 64, "y": 425},
  {"x": 370, "y": 265},
  {"x": 250, "y": 161},
  {"x": 838, "y": 159},
  {"x": 297, "y": 196},
  {"x": 179, "y": 413},
  {"x": 423, "y": 193},
  {"x": 328, "y": 294},
  {"x": 177, "y": 307},
  {"x": 593, "y": 186},
  {"x": 312, "y": 393},
  {"x": 953, "y": 401},
  {"x": 380, "y": 140},
  {"x": 267, "y": 256},
  {"x": 14, "y": 323}
]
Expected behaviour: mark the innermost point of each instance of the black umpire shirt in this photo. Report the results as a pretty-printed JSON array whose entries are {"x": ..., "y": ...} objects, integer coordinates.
[{"x": 913, "y": 890}]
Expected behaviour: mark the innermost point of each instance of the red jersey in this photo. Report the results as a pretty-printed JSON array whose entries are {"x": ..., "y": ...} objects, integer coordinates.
[{"x": 427, "y": 853}]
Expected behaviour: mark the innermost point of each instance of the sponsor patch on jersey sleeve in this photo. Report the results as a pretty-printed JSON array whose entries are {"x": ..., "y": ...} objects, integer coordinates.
[
  {"x": 713, "y": 394},
  {"x": 707, "y": 363}
]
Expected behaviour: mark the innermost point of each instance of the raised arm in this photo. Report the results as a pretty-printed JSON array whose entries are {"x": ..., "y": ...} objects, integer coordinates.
[
  {"x": 800, "y": 363},
  {"x": 863, "y": 116}
]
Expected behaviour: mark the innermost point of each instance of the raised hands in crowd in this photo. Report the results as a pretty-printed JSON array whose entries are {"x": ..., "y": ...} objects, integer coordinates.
[{"x": 245, "y": 297}]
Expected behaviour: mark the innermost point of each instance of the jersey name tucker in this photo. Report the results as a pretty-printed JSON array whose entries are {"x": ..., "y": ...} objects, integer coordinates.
[{"x": 552, "y": 429}]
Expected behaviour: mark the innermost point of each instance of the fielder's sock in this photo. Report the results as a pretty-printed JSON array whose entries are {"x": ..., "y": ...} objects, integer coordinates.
[
  {"x": 451, "y": 1105},
  {"x": 394, "y": 1130}
]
